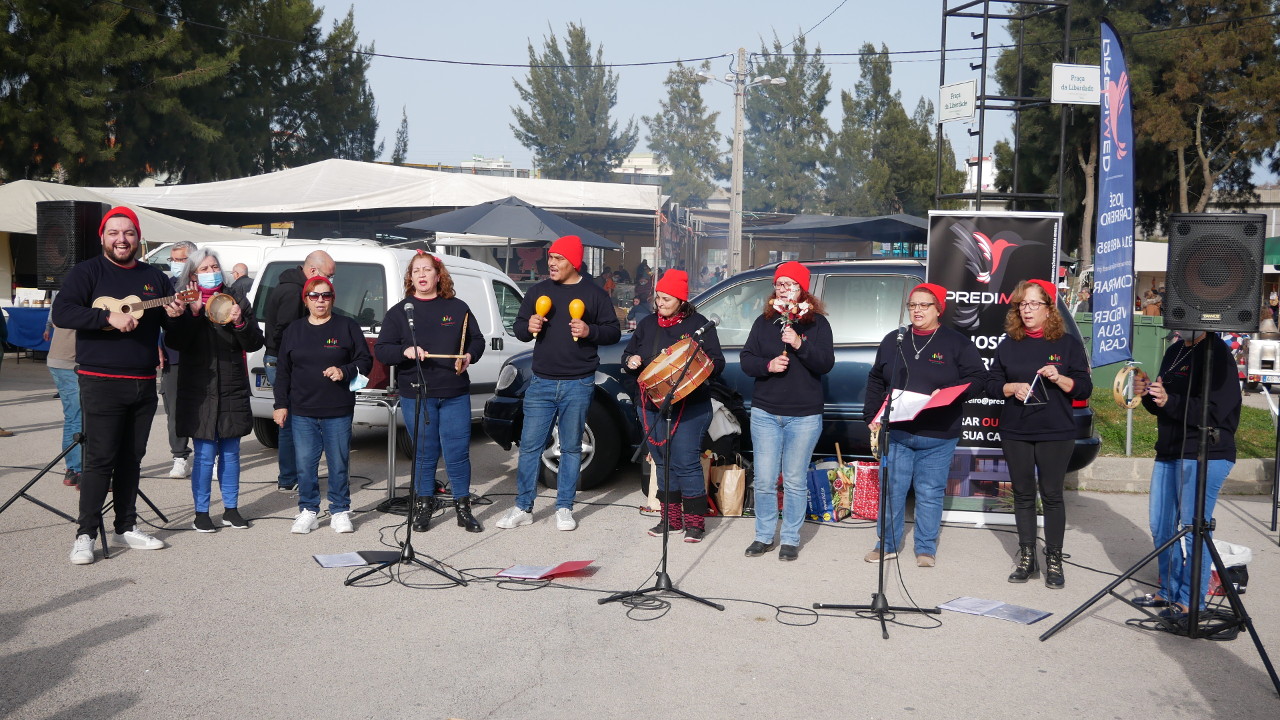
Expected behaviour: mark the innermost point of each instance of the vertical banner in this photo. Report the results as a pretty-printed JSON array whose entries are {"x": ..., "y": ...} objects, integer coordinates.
[
  {"x": 1113, "y": 260},
  {"x": 980, "y": 257}
]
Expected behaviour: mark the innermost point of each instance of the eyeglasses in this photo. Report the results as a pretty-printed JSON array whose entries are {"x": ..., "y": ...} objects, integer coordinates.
[
  {"x": 786, "y": 286},
  {"x": 920, "y": 306},
  {"x": 1032, "y": 305},
  {"x": 319, "y": 296}
]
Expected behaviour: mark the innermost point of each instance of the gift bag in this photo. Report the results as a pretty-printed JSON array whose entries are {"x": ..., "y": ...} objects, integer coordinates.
[
  {"x": 820, "y": 506},
  {"x": 866, "y": 490},
  {"x": 842, "y": 484},
  {"x": 730, "y": 485}
]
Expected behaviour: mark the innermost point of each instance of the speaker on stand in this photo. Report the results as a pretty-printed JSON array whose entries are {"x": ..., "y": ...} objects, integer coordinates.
[
  {"x": 66, "y": 233},
  {"x": 1214, "y": 276}
]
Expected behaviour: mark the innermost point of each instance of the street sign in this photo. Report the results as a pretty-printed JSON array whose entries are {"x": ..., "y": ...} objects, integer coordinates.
[{"x": 1075, "y": 84}]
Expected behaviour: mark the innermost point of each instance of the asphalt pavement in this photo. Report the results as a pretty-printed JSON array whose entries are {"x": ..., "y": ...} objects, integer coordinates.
[{"x": 246, "y": 623}]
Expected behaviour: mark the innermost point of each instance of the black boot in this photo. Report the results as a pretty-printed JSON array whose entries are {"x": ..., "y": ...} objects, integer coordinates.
[
  {"x": 422, "y": 513},
  {"x": 1053, "y": 578},
  {"x": 465, "y": 518},
  {"x": 1026, "y": 568}
]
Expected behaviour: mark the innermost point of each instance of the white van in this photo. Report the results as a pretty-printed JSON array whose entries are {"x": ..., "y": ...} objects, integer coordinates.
[
  {"x": 252, "y": 251},
  {"x": 370, "y": 279}
]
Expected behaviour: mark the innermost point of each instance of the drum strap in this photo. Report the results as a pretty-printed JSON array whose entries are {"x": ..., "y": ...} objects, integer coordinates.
[{"x": 644, "y": 418}]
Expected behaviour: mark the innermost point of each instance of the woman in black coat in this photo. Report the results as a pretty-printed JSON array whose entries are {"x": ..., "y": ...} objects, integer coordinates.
[{"x": 213, "y": 386}]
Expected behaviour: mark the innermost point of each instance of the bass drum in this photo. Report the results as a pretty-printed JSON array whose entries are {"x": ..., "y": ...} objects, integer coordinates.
[{"x": 661, "y": 374}]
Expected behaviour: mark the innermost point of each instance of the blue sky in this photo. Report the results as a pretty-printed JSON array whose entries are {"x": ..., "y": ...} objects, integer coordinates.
[{"x": 457, "y": 111}]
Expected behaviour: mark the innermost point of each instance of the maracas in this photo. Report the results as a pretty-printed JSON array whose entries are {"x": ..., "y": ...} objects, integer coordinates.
[
  {"x": 576, "y": 309},
  {"x": 542, "y": 307}
]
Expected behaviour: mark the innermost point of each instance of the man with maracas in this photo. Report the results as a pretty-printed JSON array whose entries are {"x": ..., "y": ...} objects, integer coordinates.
[{"x": 566, "y": 332}]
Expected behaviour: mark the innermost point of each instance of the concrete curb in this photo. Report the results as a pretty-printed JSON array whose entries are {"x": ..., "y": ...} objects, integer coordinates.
[{"x": 1121, "y": 474}]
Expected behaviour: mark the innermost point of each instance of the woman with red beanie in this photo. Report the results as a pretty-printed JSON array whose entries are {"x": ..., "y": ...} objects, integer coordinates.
[
  {"x": 788, "y": 351},
  {"x": 918, "y": 453},
  {"x": 684, "y": 499},
  {"x": 1038, "y": 369}
]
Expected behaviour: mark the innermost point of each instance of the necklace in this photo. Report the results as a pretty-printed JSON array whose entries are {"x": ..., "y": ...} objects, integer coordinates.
[
  {"x": 1182, "y": 354},
  {"x": 926, "y": 342}
]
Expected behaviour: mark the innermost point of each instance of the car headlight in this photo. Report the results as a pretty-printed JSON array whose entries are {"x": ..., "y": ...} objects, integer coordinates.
[{"x": 506, "y": 377}]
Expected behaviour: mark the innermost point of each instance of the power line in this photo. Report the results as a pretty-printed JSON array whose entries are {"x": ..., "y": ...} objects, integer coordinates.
[{"x": 815, "y": 25}]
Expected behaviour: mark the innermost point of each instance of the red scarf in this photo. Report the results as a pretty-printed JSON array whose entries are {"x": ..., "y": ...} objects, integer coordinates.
[
  {"x": 671, "y": 321},
  {"x": 1034, "y": 333}
]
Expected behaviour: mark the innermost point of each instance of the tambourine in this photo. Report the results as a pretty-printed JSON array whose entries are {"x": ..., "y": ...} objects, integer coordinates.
[
  {"x": 218, "y": 309},
  {"x": 1121, "y": 385}
]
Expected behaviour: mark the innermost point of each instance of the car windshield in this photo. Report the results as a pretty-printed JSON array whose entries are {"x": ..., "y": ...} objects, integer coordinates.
[{"x": 361, "y": 290}]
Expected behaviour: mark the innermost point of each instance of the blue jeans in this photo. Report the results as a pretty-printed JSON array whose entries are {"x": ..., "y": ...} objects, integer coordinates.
[
  {"x": 447, "y": 431},
  {"x": 1173, "y": 504},
  {"x": 690, "y": 421},
  {"x": 286, "y": 453},
  {"x": 923, "y": 463},
  {"x": 544, "y": 402},
  {"x": 69, "y": 392},
  {"x": 312, "y": 435},
  {"x": 225, "y": 452},
  {"x": 782, "y": 442}
]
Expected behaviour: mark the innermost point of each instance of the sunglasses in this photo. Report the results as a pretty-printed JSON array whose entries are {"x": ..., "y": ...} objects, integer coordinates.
[{"x": 319, "y": 296}]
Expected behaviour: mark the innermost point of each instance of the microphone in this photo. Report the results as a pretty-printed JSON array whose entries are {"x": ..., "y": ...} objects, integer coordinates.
[
  {"x": 408, "y": 312},
  {"x": 714, "y": 321},
  {"x": 901, "y": 330}
]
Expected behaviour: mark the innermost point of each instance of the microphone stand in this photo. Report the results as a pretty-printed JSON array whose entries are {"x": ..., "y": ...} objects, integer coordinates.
[
  {"x": 407, "y": 555},
  {"x": 880, "y": 606},
  {"x": 663, "y": 581}
]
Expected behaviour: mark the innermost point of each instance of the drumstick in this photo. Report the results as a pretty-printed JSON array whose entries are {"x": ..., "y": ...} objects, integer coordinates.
[{"x": 462, "y": 343}]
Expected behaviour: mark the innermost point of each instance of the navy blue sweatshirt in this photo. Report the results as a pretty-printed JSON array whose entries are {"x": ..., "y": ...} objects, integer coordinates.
[
  {"x": 555, "y": 355},
  {"x": 111, "y": 352},
  {"x": 306, "y": 351},
  {"x": 438, "y": 325},
  {"x": 650, "y": 339},
  {"x": 947, "y": 358},
  {"x": 1177, "y": 423},
  {"x": 796, "y": 391},
  {"x": 1017, "y": 361}
]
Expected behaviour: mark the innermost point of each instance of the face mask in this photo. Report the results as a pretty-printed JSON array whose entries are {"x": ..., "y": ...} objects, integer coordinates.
[
  {"x": 209, "y": 281},
  {"x": 175, "y": 267}
]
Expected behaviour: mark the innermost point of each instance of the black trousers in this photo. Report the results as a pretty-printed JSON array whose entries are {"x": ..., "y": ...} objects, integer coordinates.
[
  {"x": 117, "y": 423},
  {"x": 179, "y": 447},
  {"x": 1047, "y": 460}
]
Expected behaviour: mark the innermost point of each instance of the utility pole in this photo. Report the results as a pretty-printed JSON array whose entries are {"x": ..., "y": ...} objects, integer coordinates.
[{"x": 735, "y": 175}]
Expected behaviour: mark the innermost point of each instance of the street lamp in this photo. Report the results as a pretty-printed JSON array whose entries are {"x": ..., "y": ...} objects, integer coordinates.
[{"x": 739, "y": 82}]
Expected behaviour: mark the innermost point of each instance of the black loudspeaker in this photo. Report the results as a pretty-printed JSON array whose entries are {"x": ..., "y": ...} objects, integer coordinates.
[
  {"x": 66, "y": 233},
  {"x": 1214, "y": 276}
]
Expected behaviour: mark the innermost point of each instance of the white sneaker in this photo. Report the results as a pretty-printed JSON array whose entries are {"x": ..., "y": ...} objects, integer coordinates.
[
  {"x": 82, "y": 550},
  {"x": 341, "y": 522},
  {"x": 515, "y": 517},
  {"x": 305, "y": 522},
  {"x": 179, "y": 468},
  {"x": 138, "y": 540},
  {"x": 564, "y": 520}
]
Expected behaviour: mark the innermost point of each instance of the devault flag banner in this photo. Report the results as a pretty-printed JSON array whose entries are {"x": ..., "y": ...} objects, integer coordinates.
[{"x": 1113, "y": 259}]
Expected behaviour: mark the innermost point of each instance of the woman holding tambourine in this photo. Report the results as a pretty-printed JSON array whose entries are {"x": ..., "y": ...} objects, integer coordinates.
[
  {"x": 213, "y": 335},
  {"x": 684, "y": 502},
  {"x": 1039, "y": 369}
]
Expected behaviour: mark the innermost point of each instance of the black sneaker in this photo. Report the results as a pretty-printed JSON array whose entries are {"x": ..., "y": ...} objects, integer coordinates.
[
  {"x": 693, "y": 534},
  {"x": 71, "y": 479},
  {"x": 656, "y": 530},
  {"x": 757, "y": 548},
  {"x": 788, "y": 552},
  {"x": 286, "y": 488},
  {"x": 231, "y": 518},
  {"x": 203, "y": 523}
]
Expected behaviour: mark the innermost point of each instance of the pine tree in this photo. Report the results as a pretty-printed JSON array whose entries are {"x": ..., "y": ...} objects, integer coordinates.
[
  {"x": 685, "y": 140},
  {"x": 401, "y": 150},
  {"x": 786, "y": 134},
  {"x": 343, "y": 114},
  {"x": 569, "y": 95}
]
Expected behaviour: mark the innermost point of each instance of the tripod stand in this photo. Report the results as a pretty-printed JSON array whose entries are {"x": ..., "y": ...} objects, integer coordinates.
[
  {"x": 1200, "y": 541},
  {"x": 880, "y": 606},
  {"x": 663, "y": 581},
  {"x": 407, "y": 555}
]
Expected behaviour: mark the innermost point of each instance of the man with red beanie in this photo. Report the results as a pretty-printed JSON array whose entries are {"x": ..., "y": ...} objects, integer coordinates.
[
  {"x": 564, "y": 368},
  {"x": 117, "y": 373}
]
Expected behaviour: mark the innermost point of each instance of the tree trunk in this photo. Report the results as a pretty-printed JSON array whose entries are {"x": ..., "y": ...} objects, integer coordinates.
[{"x": 1090, "y": 168}]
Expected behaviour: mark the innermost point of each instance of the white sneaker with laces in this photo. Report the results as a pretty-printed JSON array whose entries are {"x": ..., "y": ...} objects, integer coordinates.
[
  {"x": 138, "y": 540},
  {"x": 305, "y": 522},
  {"x": 82, "y": 550},
  {"x": 179, "y": 468},
  {"x": 515, "y": 517},
  {"x": 341, "y": 522},
  {"x": 564, "y": 520}
]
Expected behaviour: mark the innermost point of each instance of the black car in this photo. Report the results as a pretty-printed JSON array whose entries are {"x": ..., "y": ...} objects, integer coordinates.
[{"x": 864, "y": 301}]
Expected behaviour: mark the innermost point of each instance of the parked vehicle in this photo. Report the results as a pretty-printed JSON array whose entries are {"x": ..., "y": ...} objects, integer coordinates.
[{"x": 864, "y": 301}]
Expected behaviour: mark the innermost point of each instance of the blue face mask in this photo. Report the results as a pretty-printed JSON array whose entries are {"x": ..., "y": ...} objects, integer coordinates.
[
  {"x": 175, "y": 267},
  {"x": 209, "y": 281}
]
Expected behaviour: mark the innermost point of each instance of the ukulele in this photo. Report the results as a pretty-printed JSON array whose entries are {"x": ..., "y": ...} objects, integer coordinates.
[{"x": 135, "y": 306}]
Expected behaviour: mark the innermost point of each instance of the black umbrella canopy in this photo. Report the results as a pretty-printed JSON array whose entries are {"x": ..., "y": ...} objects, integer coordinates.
[
  {"x": 900, "y": 228},
  {"x": 510, "y": 218}
]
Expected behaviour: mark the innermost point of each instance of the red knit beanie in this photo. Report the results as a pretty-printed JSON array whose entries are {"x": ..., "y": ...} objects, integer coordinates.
[
  {"x": 794, "y": 271},
  {"x": 674, "y": 283},
  {"x": 120, "y": 211},
  {"x": 1050, "y": 291},
  {"x": 569, "y": 247},
  {"x": 938, "y": 292}
]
